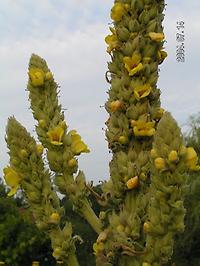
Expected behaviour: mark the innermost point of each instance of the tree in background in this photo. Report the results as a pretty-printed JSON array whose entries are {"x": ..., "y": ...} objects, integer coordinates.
[
  {"x": 20, "y": 240},
  {"x": 187, "y": 245}
]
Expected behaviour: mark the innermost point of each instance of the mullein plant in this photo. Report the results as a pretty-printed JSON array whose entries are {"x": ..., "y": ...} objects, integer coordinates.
[{"x": 143, "y": 199}]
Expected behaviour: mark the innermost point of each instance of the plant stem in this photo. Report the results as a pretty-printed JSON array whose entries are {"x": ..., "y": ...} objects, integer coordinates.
[
  {"x": 91, "y": 217},
  {"x": 72, "y": 260}
]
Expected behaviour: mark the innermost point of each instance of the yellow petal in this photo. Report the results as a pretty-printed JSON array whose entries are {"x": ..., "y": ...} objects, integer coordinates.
[
  {"x": 136, "y": 69},
  {"x": 37, "y": 76},
  {"x": 13, "y": 191},
  {"x": 142, "y": 91},
  {"x": 55, "y": 135},
  {"x": 132, "y": 182},
  {"x": 117, "y": 12},
  {"x": 78, "y": 146}
]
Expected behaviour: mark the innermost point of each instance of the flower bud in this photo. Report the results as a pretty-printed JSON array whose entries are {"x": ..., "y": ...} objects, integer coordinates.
[
  {"x": 132, "y": 183},
  {"x": 72, "y": 163},
  {"x": 116, "y": 105},
  {"x": 40, "y": 149},
  {"x": 159, "y": 163},
  {"x": 48, "y": 76},
  {"x": 123, "y": 139},
  {"x": 54, "y": 218},
  {"x": 42, "y": 123},
  {"x": 23, "y": 153},
  {"x": 173, "y": 156},
  {"x": 153, "y": 153},
  {"x": 120, "y": 228},
  {"x": 146, "y": 227}
]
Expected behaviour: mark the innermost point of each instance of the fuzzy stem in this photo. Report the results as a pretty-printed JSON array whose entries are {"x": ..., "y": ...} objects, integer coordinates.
[{"x": 91, "y": 217}]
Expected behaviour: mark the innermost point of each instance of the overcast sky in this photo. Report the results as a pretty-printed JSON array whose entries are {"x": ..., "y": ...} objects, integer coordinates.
[{"x": 69, "y": 34}]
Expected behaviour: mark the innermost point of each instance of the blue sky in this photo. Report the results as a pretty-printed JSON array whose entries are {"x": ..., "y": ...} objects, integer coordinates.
[{"x": 69, "y": 34}]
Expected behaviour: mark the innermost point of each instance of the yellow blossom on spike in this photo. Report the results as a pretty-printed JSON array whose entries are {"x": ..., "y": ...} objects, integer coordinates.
[
  {"x": 55, "y": 135},
  {"x": 159, "y": 163},
  {"x": 40, "y": 149},
  {"x": 133, "y": 64},
  {"x": 98, "y": 247},
  {"x": 192, "y": 159},
  {"x": 173, "y": 156},
  {"x": 156, "y": 36},
  {"x": 142, "y": 91},
  {"x": 37, "y": 76},
  {"x": 78, "y": 146},
  {"x": 12, "y": 180},
  {"x": 132, "y": 182},
  {"x": 117, "y": 12},
  {"x": 112, "y": 42},
  {"x": 141, "y": 128},
  {"x": 54, "y": 218},
  {"x": 116, "y": 105}
]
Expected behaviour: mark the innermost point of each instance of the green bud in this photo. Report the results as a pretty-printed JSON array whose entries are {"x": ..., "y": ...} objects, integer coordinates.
[{"x": 123, "y": 34}]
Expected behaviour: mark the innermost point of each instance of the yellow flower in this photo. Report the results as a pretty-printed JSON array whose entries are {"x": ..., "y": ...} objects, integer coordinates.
[
  {"x": 37, "y": 76},
  {"x": 192, "y": 159},
  {"x": 142, "y": 91},
  {"x": 132, "y": 182},
  {"x": 141, "y": 128},
  {"x": 78, "y": 145},
  {"x": 117, "y": 12},
  {"x": 159, "y": 163},
  {"x": 132, "y": 64},
  {"x": 55, "y": 135},
  {"x": 156, "y": 36},
  {"x": 12, "y": 180},
  {"x": 98, "y": 247},
  {"x": 112, "y": 42}
]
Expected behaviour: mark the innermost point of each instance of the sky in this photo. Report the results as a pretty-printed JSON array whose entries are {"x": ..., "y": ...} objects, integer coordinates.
[{"x": 69, "y": 35}]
